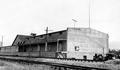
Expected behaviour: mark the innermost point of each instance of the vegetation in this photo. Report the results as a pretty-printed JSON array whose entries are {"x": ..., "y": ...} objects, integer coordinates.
[{"x": 115, "y": 52}]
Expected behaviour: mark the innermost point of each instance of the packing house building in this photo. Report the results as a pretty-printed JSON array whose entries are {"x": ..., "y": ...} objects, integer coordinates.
[{"x": 71, "y": 43}]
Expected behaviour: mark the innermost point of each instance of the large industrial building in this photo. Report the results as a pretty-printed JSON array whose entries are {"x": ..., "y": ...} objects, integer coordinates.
[{"x": 72, "y": 42}]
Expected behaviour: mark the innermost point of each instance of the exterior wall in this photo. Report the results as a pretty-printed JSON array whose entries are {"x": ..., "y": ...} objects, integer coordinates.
[
  {"x": 52, "y": 47},
  {"x": 86, "y": 42},
  {"x": 32, "y": 48},
  {"x": 42, "y": 47},
  {"x": 9, "y": 49},
  {"x": 37, "y": 43},
  {"x": 40, "y": 54}
]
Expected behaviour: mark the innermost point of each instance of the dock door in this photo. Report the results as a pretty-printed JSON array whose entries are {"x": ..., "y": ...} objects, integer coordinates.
[{"x": 61, "y": 48}]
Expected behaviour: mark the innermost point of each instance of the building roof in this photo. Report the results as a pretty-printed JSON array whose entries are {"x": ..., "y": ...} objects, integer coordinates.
[
  {"x": 51, "y": 37},
  {"x": 20, "y": 38}
]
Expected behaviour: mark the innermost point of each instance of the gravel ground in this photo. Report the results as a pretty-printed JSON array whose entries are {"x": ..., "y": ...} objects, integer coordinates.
[{"x": 4, "y": 65}]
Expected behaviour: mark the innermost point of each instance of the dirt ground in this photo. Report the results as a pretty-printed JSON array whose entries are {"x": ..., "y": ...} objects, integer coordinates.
[{"x": 4, "y": 65}]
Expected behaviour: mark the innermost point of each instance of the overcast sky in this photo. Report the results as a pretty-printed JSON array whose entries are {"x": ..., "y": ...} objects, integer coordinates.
[{"x": 33, "y": 16}]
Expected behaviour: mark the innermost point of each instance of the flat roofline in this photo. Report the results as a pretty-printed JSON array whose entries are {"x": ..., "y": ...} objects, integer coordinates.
[{"x": 86, "y": 28}]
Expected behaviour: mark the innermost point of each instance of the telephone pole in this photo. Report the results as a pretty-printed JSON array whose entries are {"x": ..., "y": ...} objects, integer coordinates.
[
  {"x": 89, "y": 13},
  {"x": 2, "y": 41},
  {"x": 46, "y": 38}
]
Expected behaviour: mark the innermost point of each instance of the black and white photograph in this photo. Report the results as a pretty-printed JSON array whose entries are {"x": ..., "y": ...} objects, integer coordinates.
[{"x": 59, "y": 35}]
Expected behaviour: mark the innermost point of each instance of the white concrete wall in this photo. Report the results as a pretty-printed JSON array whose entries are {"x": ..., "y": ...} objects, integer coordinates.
[{"x": 87, "y": 42}]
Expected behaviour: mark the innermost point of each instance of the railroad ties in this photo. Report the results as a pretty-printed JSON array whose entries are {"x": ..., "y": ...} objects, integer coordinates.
[{"x": 60, "y": 64}]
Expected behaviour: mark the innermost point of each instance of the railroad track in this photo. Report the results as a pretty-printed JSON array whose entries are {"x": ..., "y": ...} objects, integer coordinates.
[
  {"x": 55, "y": 64},
  {"x": 58, "y": 58}
]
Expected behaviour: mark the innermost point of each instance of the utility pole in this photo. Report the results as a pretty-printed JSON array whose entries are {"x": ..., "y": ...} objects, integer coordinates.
[
  {"x": 2, "y": 41},
  {"x": 46, "y": 38},
  {"x": 89, "y": 13}
]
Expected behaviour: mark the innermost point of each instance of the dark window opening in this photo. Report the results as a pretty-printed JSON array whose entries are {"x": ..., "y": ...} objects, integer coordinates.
[
  {"x": 76, "y": 48},
  {"x": 85, "y": 57}
]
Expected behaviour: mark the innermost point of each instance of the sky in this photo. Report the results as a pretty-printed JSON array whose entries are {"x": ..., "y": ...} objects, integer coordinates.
[{"x": 33, "y": 16}]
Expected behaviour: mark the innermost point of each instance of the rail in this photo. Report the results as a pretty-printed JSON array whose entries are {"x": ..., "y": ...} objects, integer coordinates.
[{"x": 22, "y": 60}]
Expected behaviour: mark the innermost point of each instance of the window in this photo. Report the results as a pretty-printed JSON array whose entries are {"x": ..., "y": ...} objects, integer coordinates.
[
  {"x": 85, "y": 57},
  {"x": 76, "y": 48}
]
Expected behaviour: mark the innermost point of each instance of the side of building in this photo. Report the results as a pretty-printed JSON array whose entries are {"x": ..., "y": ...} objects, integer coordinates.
[{"x": 85, "y": 42}]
